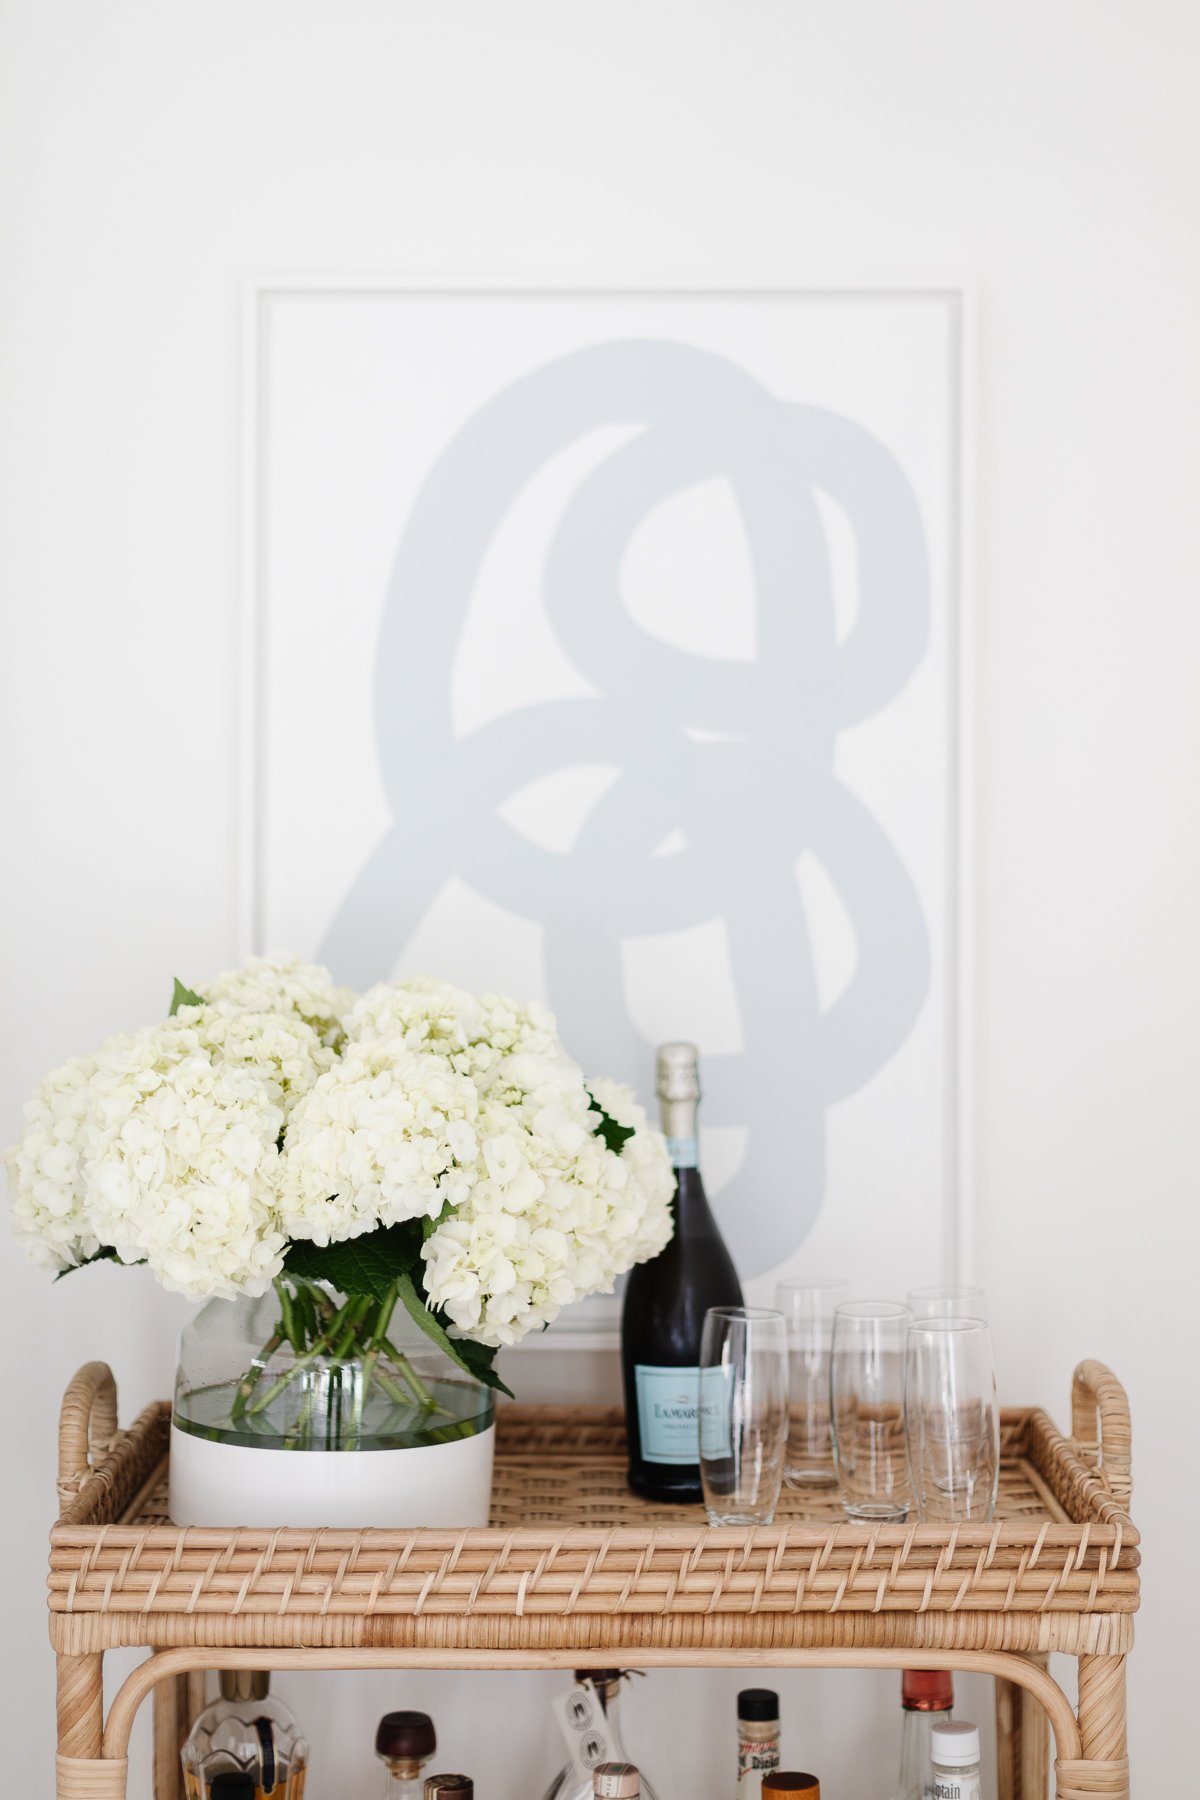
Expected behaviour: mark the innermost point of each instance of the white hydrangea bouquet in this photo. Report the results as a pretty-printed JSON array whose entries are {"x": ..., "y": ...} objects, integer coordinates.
[{"x": 412, "y": 1146}]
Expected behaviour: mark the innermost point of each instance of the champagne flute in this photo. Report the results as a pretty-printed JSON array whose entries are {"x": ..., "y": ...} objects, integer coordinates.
[
  {"x": 743, "y": 1413},
  {"x": 866, "y": 1389},
  {"x": 951, "y": 1420}
]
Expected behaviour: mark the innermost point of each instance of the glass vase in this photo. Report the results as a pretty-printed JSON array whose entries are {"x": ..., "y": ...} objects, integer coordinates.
[{"x": 305, "y": 1400}]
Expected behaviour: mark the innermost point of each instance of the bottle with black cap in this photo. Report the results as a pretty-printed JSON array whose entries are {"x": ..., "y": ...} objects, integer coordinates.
[
  {"x": 665, "y": 1303},
  {"x": 246, "y": 1730},
  {"x": 758, "y": 1739},
  {"x": 404, "y": 1743}
]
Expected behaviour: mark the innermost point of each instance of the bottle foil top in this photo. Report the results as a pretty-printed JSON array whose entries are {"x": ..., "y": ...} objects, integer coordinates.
[{"x": 677, "y": 1072}]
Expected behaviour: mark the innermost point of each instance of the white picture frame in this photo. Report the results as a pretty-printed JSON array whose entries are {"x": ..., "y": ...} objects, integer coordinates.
[{"x": 951, "y": 1255}]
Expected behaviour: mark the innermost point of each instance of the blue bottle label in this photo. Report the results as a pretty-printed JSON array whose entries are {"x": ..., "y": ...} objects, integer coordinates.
[{"x": 668, "y": 1402}]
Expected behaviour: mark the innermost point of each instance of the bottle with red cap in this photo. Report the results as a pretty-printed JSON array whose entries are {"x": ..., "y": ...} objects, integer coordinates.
[
  {"x": 404, "y": 1743},
  {"x": 927, "y": 1696}
]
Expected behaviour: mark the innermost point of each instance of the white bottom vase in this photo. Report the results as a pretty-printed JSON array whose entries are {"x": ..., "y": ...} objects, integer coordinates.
[{"x": 446, "y": 1485}]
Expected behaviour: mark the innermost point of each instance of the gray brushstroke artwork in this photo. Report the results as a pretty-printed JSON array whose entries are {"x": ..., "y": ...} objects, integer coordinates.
[{"x": 748, "y": 799}]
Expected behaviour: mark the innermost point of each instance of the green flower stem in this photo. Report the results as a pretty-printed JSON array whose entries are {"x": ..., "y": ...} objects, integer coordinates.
[
  {"x": 289, "y": 1375},
  {"x": 291, "y": 1327},
  {"x": 301, "y": 1433},
  {"x": 254, "y": 1374},
  {"x": 314, "y": 1326},
  {"x": 409, "y": 1375}
]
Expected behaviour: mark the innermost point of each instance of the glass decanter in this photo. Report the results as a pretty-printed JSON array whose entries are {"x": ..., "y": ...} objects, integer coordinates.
[
  {"x": 246, "y": 1731},
  {"x": 606, "y": 1685}
]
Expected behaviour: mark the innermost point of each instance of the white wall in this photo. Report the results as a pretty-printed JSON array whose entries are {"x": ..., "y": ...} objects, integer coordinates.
[{"x": 154, "y": 154}]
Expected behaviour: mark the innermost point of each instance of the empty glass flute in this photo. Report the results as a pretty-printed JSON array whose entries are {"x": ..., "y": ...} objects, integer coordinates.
[
  {"x": 743, "y": 1413},
  {"x": 807, "y": 1307},
  {"x": 866, "y": 1384},
  {"x": 952, "y": 1422},
  {"x": 948, "y": 1300}
]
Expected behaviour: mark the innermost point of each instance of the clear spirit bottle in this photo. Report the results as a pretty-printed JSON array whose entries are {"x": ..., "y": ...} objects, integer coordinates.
[
  {"x": 245, "y": 1732},
  {"x": 927, "y": 1696},
  {"x": 569, "y": 1784}
]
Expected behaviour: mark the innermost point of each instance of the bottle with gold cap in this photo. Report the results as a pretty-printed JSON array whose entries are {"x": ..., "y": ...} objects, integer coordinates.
[
  {"x": 449, "y": 1787},
  {"x": 616, "y": 1781},
  {"x": 790, "y": 1784},
  {"x": 245, "y": 1733},
  {"x": 665, "y": 1303},
  {"x": 404, "y": 1743}
]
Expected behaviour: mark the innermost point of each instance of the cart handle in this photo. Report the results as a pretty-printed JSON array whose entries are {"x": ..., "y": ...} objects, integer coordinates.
[
  {"x": 1100, "y": 1427},
  {"x": 87, "y": 1426}
]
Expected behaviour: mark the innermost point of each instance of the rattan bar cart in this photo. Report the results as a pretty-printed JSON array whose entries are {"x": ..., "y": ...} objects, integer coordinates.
[{"x": 573, "y": 1569}]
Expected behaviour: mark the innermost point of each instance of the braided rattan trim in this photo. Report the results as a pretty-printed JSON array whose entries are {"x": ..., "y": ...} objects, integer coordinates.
[
  {"x": 1092, "y": 1780},
  {"x": 529, "y": 1573},
  {"x": 79, "y": 1779}
]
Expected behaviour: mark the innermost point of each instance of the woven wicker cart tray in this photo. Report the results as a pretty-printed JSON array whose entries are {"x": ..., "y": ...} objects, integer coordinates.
[
  {"x": 571, "y": 1556},
  {"x": 572, "y": 1568}
]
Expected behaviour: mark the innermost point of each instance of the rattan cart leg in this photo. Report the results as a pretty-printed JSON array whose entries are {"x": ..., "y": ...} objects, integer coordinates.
[
  {"x": 1102, "y": 1771},
  {"x": 177, "y": 1701},
  {"x": 1022, "y": 1741},
  {"x": 80, "y": 1772}
]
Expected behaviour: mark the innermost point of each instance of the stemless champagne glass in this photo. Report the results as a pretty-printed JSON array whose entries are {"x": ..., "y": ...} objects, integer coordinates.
[
  {"x": 743, "y": 1413},
  {"x": 807, "y": 1306},
  {"x": 952, "y": 1422},
  {"x": 866, "y": 1397},
  {"x": 948, "y": 1300}
]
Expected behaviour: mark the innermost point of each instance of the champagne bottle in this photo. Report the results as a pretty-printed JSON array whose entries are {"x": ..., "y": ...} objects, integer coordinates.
[{"x": 665, "y": 1303}]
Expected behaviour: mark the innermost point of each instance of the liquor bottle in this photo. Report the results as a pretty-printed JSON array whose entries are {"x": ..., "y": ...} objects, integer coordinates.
[
  {"x": 665, "y": 1303},
  {"x": 927, "y": 1696},
  {"x": 758, "y": 1739},
  {"x": 404, "y": 1743},
  {"x": 590, "y": 1736},
  {"x": 790, "y": 1784},
  {"x": 956, "y": 1762},
  {"x": 616, "y": 1781},
  {"x": 449, "y": 1787},
  {"x": 245, "y": 1732}
]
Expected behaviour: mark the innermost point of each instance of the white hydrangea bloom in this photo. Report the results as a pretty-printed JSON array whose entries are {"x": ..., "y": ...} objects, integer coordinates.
[
  {"x": 648, "y": 1167},
  {"x": 180, "y": 1163},
  {"x": 425, "y": 1014},
  {"x": 50, "y": 1217},
  {"x": 416, "y": 1101},
  {"x": 285, "y": 984},
  {"x": 283, "y": 1048},
  {"x": 555, "y": 1214},
  {"x": 386, "y": 1134}
]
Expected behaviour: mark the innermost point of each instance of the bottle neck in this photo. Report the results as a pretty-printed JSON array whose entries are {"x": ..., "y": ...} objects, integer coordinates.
[{"x": 679, "y": 1129}]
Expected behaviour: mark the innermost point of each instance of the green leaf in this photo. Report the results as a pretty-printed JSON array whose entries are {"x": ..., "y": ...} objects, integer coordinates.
[
  {"x": 429, "y": 1226},
  {"x": 474, "y": 1359},
  {"x": 183, "y": 996},
  {"x": 615, "y": 1135},
  {"x": 105, "y": 1254},
  {"x": 361, "y": 1265},
  {"x": 479, "y": 1358}
]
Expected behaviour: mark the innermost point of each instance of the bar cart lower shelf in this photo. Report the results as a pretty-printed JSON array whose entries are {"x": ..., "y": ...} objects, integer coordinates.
[{"x": 574, "y": 1570}]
